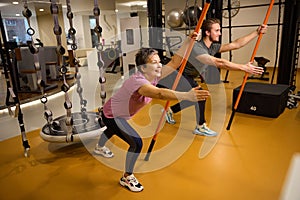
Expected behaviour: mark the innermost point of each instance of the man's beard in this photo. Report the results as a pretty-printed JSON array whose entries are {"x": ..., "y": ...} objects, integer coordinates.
[{"x": 212, "y": 40}]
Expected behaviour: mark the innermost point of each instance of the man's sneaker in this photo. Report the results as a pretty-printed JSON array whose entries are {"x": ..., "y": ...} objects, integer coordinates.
[
  {"x": 204, "y": 130},
  {"x": 131, "y": 183},
  {"x": 103, "y": 151},
  {"x": 169, "y": 116}
]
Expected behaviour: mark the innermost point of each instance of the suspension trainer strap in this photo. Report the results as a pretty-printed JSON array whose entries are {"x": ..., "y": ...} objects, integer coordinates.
[
  {"x": 72, "y": 42},
  {"x": 63, "y": 70},
  {"x": 10, "y": 95},
  {"x": 11, "y": 88},
  {"x": 100, "y": 63},
  {"x": 32, "y": 48}
]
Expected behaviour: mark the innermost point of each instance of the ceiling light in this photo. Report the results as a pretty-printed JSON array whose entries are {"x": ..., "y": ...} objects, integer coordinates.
[
  {"x": 15, "y": 2},
  {"x": 134, "y": 3},
  {"x": 41, "y": 9}
]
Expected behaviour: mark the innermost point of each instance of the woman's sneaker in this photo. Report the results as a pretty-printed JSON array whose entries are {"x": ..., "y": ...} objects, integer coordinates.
[
  {"x": 103, "y": 151},
  {"x": 169, "y": 116},
  {"x": 204, "y": 130},
  {"x": 131, "y": 183}
]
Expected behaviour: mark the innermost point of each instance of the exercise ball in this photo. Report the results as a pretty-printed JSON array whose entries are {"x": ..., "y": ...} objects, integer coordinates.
[
  {"x": 191, "y": 15},
  {"x": 175, "y": 18}
]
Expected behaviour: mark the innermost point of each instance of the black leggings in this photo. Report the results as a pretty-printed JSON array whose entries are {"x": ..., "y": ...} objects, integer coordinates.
[{"x": 121, "y": 128}]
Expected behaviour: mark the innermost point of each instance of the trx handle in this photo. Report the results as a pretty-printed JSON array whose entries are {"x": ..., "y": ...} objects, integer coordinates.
[{"x": 251, "y": 60}]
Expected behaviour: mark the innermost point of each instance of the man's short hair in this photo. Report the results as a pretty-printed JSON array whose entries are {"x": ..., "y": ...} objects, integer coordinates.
[{"x": 207, "y": 24}]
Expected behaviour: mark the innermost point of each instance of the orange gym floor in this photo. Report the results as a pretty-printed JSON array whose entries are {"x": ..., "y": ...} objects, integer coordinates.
[{"x": 250, "y": 161}]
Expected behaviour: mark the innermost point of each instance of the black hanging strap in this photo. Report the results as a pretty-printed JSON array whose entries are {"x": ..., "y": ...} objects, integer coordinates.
[{"x": 11, "y": 88}]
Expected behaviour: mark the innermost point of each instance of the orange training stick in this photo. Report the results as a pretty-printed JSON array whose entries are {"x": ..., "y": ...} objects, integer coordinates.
[
  {"x": 251, "y": 60},
  {"x": 185, "y": 59}
]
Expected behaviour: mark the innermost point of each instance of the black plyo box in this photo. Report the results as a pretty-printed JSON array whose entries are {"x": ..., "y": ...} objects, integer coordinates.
[{"x": 262, "y": 99}]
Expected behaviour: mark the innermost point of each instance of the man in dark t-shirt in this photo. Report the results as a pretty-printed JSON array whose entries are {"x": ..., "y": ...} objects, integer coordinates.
[{"x": 202, "y": 56}]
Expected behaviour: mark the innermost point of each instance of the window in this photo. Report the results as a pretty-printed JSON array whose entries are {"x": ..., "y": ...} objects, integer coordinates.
[{"x": 16, "y": 30}]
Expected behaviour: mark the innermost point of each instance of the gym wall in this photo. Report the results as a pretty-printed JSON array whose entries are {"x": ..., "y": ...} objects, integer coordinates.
[
  {"x": 249, "y": 18},
  {"x": 253, "y": 16}
]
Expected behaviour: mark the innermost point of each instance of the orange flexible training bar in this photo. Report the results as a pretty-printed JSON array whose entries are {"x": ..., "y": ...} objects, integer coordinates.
[
  {"x": 246, "y": 74},
  {"x": 185, "y": 59}
]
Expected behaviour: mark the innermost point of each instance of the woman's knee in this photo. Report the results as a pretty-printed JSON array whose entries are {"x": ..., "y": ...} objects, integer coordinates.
[{"x": 139, "y": 145}]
